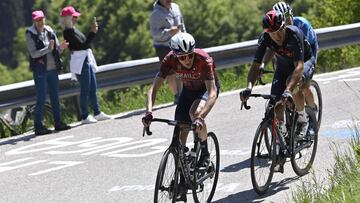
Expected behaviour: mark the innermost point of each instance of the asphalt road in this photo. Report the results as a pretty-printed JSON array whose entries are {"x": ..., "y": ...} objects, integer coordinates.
[{"x": 111, "y": 162}]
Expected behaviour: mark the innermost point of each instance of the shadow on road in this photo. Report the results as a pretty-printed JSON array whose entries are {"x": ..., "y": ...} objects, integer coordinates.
[
  {"x": 237, "y": 166},
  {"x": 251, "y": 196}
]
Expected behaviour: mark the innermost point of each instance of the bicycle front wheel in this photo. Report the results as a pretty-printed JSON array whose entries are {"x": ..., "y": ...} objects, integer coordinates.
[
  {"x": 167, "y": 178},
  {"x": 206, "y": 180},
  {"x": 262, "y": 158}
]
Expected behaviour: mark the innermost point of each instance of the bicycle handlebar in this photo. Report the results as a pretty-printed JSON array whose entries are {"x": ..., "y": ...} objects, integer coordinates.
[
  {"x": 264, "y": 96},
  {"x": 169, "y": 122},
  {"x": 263, "y": 71}
]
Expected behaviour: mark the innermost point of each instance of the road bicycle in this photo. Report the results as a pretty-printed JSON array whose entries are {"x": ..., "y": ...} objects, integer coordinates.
[
  {"x": 177, "y": 160},
  {"x": 315, "y": 89},
  {"x": 269, "y": 147},
  {"x": 17, "y": 120}
]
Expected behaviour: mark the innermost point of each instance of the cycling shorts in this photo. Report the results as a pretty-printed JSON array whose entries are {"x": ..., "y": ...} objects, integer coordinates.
[
  {"x": 187, "y": 98},
  {"x": 284, "y": 71}
]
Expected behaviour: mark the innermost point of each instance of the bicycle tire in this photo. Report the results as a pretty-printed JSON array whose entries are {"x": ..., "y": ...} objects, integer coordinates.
[
  {"x": 213, "y": 146},
  {"x": 167, "y": 192},
  {"x": 311, "y": 140},
  {"x": 261, "y": 142},
  {"x": 318, "y": 101}
]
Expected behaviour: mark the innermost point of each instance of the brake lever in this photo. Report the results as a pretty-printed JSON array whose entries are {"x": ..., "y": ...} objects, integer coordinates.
[
  {"x": 244, "y": 104},
  {"x": 147, "y": 130}
]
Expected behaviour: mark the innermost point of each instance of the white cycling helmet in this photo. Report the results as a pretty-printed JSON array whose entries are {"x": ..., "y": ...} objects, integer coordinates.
[
  {"x": 283, "y": 8},
  {"x": 182, "y": 43}
]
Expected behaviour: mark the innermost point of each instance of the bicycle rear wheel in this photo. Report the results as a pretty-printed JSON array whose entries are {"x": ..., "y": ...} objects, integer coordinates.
[
  {"x": 207, "y": 179},
  {"x": 263, "y": 158},
  {"x": 305, "y": 149},
  {"x": 315, "y": 89},
  {"x": 167, "y": 179}
]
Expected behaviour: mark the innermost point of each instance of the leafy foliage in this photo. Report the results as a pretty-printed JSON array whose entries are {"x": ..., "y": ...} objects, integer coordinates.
[{"x": 325, "y": 13}]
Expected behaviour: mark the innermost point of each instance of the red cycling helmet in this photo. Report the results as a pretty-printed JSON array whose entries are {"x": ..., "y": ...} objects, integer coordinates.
[{"x": 273, "y": 21}]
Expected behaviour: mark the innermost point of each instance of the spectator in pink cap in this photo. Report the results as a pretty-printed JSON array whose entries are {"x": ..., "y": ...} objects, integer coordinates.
[
  {"x": 37, "y": 15},
  {"x": 82, "y": 64},
  {"x": 44, "y": 50},
  {"x": 69, "y": 11}
]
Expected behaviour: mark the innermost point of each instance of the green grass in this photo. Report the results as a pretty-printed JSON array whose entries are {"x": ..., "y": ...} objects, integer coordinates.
[{"x": 343, "y": 185}]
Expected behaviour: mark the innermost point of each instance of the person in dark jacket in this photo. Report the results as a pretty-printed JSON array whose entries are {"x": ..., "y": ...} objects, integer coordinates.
[
  {"x": 45, "y": 63},
  {"x": 82, "y": 64}
]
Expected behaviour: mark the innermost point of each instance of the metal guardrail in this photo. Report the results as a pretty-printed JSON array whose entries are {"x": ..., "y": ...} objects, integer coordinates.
[{"x": 137, "y": 72}]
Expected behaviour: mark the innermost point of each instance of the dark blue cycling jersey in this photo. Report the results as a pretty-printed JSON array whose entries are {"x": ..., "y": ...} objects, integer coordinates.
[
  {"x": 294, "y": 48},
  {"x": 308, "y": 31}
]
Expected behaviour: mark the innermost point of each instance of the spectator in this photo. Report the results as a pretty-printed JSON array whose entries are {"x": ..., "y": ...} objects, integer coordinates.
[
  {"x": 165, "y": 21},
  {"x": 44, "y": 50},
  {"x": 82, "y": 63}
]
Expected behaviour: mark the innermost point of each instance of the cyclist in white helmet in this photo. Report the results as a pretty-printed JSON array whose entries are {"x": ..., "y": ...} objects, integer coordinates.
[{"x": 196, "y": 69}]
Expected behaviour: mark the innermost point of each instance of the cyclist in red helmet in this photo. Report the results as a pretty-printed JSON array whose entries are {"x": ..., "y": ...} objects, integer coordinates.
[
  {"x": 196, "y": 69},
  {"x": 293, "y": 55}
]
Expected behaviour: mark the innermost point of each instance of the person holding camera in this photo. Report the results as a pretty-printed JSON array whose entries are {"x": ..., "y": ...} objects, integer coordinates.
[
  {"x": 82, "y": 64},
  {"x": 166, "y": 21},
  {"x": 45, "y": 63}
]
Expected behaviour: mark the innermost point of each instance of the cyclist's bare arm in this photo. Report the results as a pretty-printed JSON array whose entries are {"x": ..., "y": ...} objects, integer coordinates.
[
  {"x": 211, "y": 88},
  {"x": 269, "y": 54},
  {"x": 253, "y": 74},
  {"x": 296, "y": 76},
  {"x": 158, "y": 81}
]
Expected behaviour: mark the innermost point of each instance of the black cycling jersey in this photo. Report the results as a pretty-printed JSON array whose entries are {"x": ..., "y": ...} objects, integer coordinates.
[{"x": 294, "y": 48}]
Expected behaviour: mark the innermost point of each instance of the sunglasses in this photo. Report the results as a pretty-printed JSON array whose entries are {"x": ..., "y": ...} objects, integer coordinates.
[
  {"x": 274, "y": 30},
  {"x": 185, "y": 56}
]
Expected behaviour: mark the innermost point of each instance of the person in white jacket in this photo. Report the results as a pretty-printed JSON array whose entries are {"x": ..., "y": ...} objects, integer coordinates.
[
  {"x": 165, "y": 21},
  {"x": 83, "y": 64}
]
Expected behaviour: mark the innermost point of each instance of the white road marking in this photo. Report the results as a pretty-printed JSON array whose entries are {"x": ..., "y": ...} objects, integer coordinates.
[
  {"x": 93, "y": 146},
  {"x": 349, "y": 80},
  {"x": 338, "y": 77},
  {"x": 5, "y": 166},
  {"x": 54, "y": 143},
  {"x": 64, "y": 164}
]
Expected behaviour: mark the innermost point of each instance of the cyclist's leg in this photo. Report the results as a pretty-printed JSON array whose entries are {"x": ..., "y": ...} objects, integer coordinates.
[
  {"x": 182, "y": 112},
  {"x": 304, "y": 86},
  {"x": 309, "y": 68},
  {"x": 197, "y": 107},
  {"x": 277, "y": 88}
]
